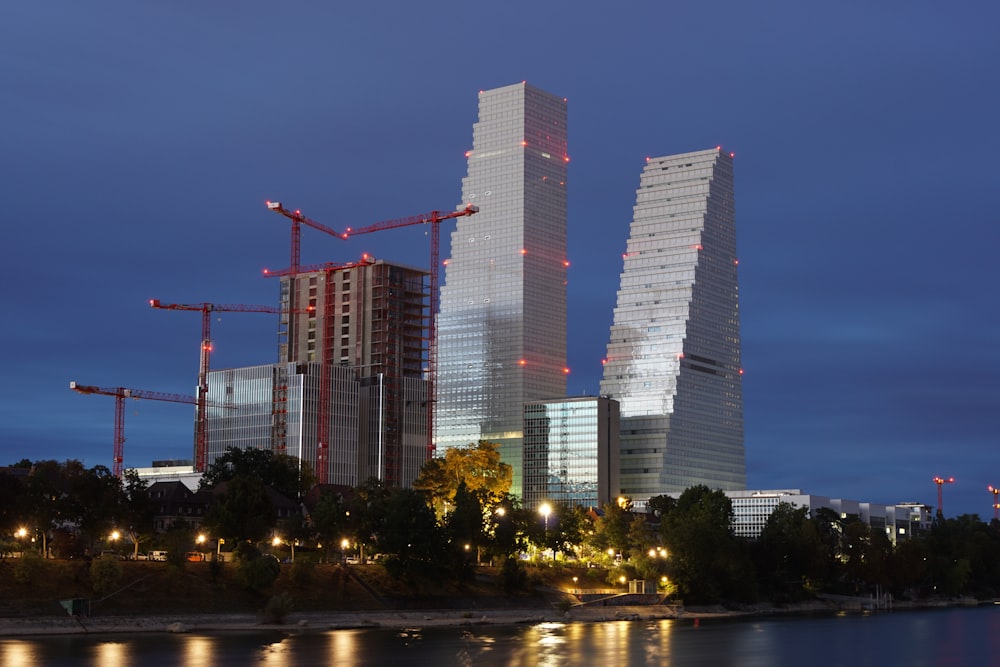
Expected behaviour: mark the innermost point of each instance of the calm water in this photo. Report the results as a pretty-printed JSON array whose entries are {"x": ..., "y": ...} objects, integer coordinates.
[{"x": 932, "y": 638}]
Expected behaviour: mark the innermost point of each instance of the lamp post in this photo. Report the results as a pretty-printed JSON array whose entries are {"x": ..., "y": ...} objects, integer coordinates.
[
  {"x": 22, "y": 533},
  {"x": 545, "y": 509}
]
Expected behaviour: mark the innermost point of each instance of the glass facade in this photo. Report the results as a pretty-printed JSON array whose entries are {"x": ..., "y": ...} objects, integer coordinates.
[
  {"x": 276, "y": 407},
  {"x": 571, "y": 452},
  {"x": 673, "y": 358},
  {"x": 501, "y": 330}
]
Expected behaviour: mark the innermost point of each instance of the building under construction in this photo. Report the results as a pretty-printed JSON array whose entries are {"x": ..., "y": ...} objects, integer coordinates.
[{"x": 348, "y": 394}]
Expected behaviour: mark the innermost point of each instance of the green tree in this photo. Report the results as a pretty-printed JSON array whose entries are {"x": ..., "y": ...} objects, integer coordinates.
[
  {"x": 612, "y": 528},
  {"x": 285, "y": 474},
  {"x": 410, "y": 534},
  {"x": 505, "y": 532},
  {"x": 366, "y": 512},
  {"x": 330, "y": 521},
  {"x": 241, "y": 510},
  {"x": 465, "y": 529},
  {"x": 706, "y": 561},
  {"x": 135, "y": 516}
]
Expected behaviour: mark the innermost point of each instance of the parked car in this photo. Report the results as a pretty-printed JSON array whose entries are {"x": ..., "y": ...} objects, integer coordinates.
[
  {"x": 113, "y": 555},
  {"x": 138, "y": 556},
  {"x": 194, "y": 557},
  {"x": 157, "y": 555}
]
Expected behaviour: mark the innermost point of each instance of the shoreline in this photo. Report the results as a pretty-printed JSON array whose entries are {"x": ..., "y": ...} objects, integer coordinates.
[
  {"x": 301, "y": 622},
  {"x": 324, "y": 621}
]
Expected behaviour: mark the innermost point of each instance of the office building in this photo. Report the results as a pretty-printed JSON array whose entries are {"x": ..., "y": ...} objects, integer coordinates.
[
  {"x": 276, "y": 407},
  {"x": 752, "y": 509},
  {"x": 571, "y": 452},
  {"x": 501, "y": 330},
  {"x": 673, "y": 359}
]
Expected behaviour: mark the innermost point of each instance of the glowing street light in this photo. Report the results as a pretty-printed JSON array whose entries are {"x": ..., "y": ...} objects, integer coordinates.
[{"x": 545, "y": 510}]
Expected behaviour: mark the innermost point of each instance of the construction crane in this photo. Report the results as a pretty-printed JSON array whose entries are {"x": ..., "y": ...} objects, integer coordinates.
[
  {"x": 201, "y": 413},
  {"x": 120, "y": 394},
  {"x": 996, "y": 501},
  {"x": 941, "y": 481},
  {"x": 433, "y": 218}
]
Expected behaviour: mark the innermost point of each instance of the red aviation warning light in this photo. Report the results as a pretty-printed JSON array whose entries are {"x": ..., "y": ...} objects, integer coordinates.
[
  {"x": 566, "y": 371},
  {"x": 522, "y": 362}
]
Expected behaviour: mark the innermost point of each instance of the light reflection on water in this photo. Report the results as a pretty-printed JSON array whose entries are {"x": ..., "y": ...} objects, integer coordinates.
[{"x": 931, "y": 638}]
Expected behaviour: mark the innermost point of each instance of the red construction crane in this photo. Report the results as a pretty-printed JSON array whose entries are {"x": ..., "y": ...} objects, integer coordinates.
[
  {"x": 120, "y": 394},
  {"x": 432, "y": 218},
  {"x": 297, "y": 221},
  {"x": 206, "y": 309},
  {"x": 941, "y": 481}
]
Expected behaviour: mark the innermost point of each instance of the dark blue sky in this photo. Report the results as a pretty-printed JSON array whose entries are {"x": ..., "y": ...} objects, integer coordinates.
[{"x": 140, "y": 140}]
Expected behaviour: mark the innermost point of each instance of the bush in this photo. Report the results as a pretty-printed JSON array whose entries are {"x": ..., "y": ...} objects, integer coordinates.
[
  {"x": 512, "y": 576},
  {"x": 255, "y": 571},
  {"x": 278, "y": 608},
  {"x": 105, "y": 574},
  {"x": 28, "y": 568}
]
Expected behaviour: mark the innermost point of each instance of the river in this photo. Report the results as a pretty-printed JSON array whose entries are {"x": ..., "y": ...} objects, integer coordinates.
[{"x": 932, "y": 638}]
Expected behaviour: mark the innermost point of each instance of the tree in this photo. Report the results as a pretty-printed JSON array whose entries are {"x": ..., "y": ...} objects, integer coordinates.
[
  {"x": 285, "y": 474},
  {"x": 135, "y": 516},
  {"x": 478, "y": 467},
  {"x": 241, "y": 510},
  {"x": 611, "y": 528},
  {"x": 365, "y": 512},
  {"x": 465, "y": 527},
  {"x": 409, "y": 533},
  {"x": 330, "y": 521},
  {"x": 706, "y": 561}
]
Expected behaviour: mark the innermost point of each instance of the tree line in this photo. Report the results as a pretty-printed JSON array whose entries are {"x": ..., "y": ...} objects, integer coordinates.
[{"x": 460, "y": 513}]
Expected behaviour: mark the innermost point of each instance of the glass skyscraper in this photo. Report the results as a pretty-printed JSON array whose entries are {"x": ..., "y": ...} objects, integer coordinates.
[
  {"x": 673, "y": 359},
  {"x": 501, "y": 330},
  {"x": 571, "y": 451}
]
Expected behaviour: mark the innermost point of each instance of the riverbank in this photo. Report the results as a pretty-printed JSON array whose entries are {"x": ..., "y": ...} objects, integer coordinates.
[{"x": 399, "y": 619}]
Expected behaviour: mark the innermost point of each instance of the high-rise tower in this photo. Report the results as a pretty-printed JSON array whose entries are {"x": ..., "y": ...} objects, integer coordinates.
[
  {"x": 370, "y": 317},
  {"x": 501, "y": 330},
  {"x": 673, "y": 359}
]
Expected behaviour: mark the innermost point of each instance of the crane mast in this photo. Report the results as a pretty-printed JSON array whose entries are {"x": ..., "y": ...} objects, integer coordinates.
[
  {"x": 201, "y": 411},
  {"x": 433, "y": 218},
  {"x": 120, "y": 394}
]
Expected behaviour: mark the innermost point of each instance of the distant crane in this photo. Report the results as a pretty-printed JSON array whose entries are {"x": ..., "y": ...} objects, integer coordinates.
[
  {"x": 206, "y": 310},
  {"x": 941, "y": 481},
  {"x": 996, "y": 501},
  {"x": 120, "y": 394},
  {"x": 433, "y": 219}
]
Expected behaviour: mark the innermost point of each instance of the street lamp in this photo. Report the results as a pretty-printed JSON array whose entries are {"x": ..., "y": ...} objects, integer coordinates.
[{"x": 545, "y": 510}]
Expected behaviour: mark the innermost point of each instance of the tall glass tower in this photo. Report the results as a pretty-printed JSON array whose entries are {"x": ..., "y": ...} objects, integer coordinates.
[
  {"x": 673, "y": 360},
  {"x": 501, "y": 330}
]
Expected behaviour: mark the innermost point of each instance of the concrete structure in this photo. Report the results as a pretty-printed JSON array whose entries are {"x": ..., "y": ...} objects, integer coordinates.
[
  {"x": 752, "y": 509},
  {"x": 501, "y": 330},
  {"x": 673, "y": 359},
  {"x": 171, "y": 471},
  {"x": 571, "y": 452}
]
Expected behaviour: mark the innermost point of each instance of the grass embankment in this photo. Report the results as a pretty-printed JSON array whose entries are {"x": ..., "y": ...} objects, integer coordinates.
[{"x": 150, "y": 588}]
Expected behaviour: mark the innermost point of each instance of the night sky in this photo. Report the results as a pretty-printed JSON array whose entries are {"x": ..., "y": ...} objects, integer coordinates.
[{"x": 140, "y": 141}]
